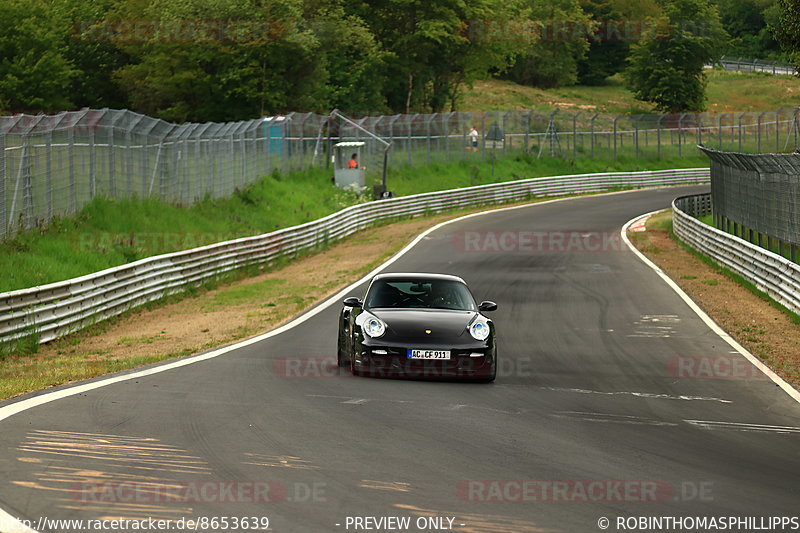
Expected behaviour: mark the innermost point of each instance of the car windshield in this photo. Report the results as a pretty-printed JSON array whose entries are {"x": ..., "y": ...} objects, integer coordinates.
[{"x": 420, "y": 294}]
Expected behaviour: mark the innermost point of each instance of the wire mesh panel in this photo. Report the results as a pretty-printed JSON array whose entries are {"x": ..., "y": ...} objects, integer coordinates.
[
  {"x": 52, "y": 166},
  {"x": 760, "y": 192}
]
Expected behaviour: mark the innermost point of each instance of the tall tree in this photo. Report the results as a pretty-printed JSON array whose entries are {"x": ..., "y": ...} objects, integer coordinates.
[
  {"x": 551, "y": 54},
  {"x": 667, "y": 68},
  {"x": 787, "y": 28},
  {"x": 34, "y": 73},
  {"x": 431, "y": 50}
]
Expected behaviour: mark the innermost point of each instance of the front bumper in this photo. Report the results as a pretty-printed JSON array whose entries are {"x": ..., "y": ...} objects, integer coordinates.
[{"x": 390, "y": 360}]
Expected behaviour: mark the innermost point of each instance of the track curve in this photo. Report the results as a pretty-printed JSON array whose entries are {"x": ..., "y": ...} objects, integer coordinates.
[{"x": 592, "y": 414}]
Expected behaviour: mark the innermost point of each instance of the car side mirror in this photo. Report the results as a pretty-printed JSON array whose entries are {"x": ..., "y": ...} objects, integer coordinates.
[
  {"x": 487, "y": 306},
  {"x": 353, "y": 302}
]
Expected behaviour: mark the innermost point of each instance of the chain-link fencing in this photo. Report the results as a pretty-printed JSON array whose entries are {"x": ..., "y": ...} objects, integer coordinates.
[
  {"x": 51, "y": 166},
  {"x": 757, "y": 197}
]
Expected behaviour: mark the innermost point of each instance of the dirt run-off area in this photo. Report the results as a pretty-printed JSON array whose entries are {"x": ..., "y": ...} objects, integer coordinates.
[
  {"x": 768, "y": 332},
  {"x": 247, "y": 307}
]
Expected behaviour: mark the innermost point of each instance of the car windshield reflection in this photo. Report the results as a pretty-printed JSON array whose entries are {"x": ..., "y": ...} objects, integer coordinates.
[{"x": 420, "y": 294}]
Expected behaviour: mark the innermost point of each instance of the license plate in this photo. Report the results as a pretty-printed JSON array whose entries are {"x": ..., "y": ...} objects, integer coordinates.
[{"x": 429, "y": 354}]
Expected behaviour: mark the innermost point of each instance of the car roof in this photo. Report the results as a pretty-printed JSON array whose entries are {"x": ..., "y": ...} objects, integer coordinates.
[{"x": 418, "y": 275}]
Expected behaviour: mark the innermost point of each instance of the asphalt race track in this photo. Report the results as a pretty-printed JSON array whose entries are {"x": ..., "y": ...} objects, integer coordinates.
[{"x": 613, "y": 399}]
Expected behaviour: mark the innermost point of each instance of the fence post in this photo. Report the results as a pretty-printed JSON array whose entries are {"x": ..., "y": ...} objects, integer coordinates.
[
  {"x": 591, "y": 129},
  {"x": 615, "y": 135},
  {"x": 758, "y": 150},
  {"x": 92, "y": 162},
  {"x": 483, "y": 136},
  {"x": 740, "y": 130},
  {"x": 428, "y": 134},
  {"x": 575, "y": 135},
  {"x": 48, "y": 174},
  {"x": 680, "y": 134},
  {"x": 658, "y": 135},
  {"x": 527, "y": 129},
  {"x": 699, "y": 118},
  {"x": 3, "y": 228},
  {"x": 448, "y": 116},
  {"x": 73, "y": 200},
  {"x": 112, "y": 186},
  {"x": 27, "y": 186}
]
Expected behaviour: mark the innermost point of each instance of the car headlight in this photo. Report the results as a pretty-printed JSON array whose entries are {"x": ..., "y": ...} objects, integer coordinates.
[
  {"x": 374, "y": 326},
  {"x": 479, "y": 330}
]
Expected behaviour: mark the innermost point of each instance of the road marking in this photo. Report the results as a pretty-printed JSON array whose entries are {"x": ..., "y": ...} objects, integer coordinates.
[
  {"x": 395, "y": 486},
  {"x": 788, "y": 389},
  {"x": 740, "y": 426},
  {"x": 641, "y": 395},
  {"x": 612, "y": 419},
  {"x": 357, "y": 401},
  {"x": 23, "y": 405}
]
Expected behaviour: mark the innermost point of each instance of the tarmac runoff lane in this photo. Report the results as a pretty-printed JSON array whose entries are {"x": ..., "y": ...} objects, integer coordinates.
[{"x": 613, "y": 401}]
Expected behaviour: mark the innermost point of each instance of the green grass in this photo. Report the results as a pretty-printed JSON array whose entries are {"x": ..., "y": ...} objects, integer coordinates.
[
  {"x": 726, "y": 92},
  {"x": 770, "y": 244},
  {"x": 110, "y": 232}
]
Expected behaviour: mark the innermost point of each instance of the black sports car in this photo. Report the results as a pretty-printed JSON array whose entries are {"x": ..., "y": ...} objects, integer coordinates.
[{"x": 419, "y": 326}]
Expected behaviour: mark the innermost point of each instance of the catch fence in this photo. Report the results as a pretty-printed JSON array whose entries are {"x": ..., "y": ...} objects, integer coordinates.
[{"x": 53, "y": 165}]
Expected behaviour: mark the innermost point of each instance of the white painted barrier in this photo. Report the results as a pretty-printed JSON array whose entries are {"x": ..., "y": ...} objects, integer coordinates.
[
  {"x": 770, "y": 272},
  {"x": 56, "y": 309}
]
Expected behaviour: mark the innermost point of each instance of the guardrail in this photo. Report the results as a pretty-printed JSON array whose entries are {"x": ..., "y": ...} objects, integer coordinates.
[
  {"x": 54, "y": 310},
  {"x": 771, "y": 273},
  {"x": 757, "y": 65}
]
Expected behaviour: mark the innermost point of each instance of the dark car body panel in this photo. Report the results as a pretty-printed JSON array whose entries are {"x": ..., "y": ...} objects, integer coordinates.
[{"x": 417, "y": 329}]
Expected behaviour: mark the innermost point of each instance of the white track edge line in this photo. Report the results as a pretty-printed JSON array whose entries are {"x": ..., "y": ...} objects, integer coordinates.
[
  {"x": 23, "y": 405},
  {"x": 779, "y": 381}
]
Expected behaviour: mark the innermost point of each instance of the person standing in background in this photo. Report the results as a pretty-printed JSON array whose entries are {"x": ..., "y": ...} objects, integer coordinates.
[{"x": 473, "y": 139}]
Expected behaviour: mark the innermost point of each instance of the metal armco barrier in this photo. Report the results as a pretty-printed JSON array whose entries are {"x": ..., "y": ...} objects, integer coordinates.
[
  {"x": 54, "y": 310},
  {"x": 771, "y": 273}
]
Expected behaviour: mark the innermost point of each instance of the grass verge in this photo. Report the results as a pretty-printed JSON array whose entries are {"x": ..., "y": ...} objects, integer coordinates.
[
  {"x": 111, "y": 232},
  {"x": 763, "y": 326}
]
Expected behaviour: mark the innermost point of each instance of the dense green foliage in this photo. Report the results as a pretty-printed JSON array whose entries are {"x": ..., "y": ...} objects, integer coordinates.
[
  {"x": 667, "y": 68},
  {"x": 202, "y": 60},
  {"x": 786, "y": 27}
]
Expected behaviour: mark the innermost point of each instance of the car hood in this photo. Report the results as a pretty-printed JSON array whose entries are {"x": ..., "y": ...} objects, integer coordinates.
[{"x": 414, "y": 323}]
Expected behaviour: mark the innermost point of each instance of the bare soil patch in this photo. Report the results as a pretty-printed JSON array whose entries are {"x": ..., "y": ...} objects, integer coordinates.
[
  {"x": 214, "y": 317},
  {"x": 763, "y": 329}
]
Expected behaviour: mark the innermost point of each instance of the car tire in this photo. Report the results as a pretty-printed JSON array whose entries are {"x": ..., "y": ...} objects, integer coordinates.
[
  {"x": 341, "y": 357},
  {"x": 491, "y": 377},
  {"x": 353, "y": 369}
]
